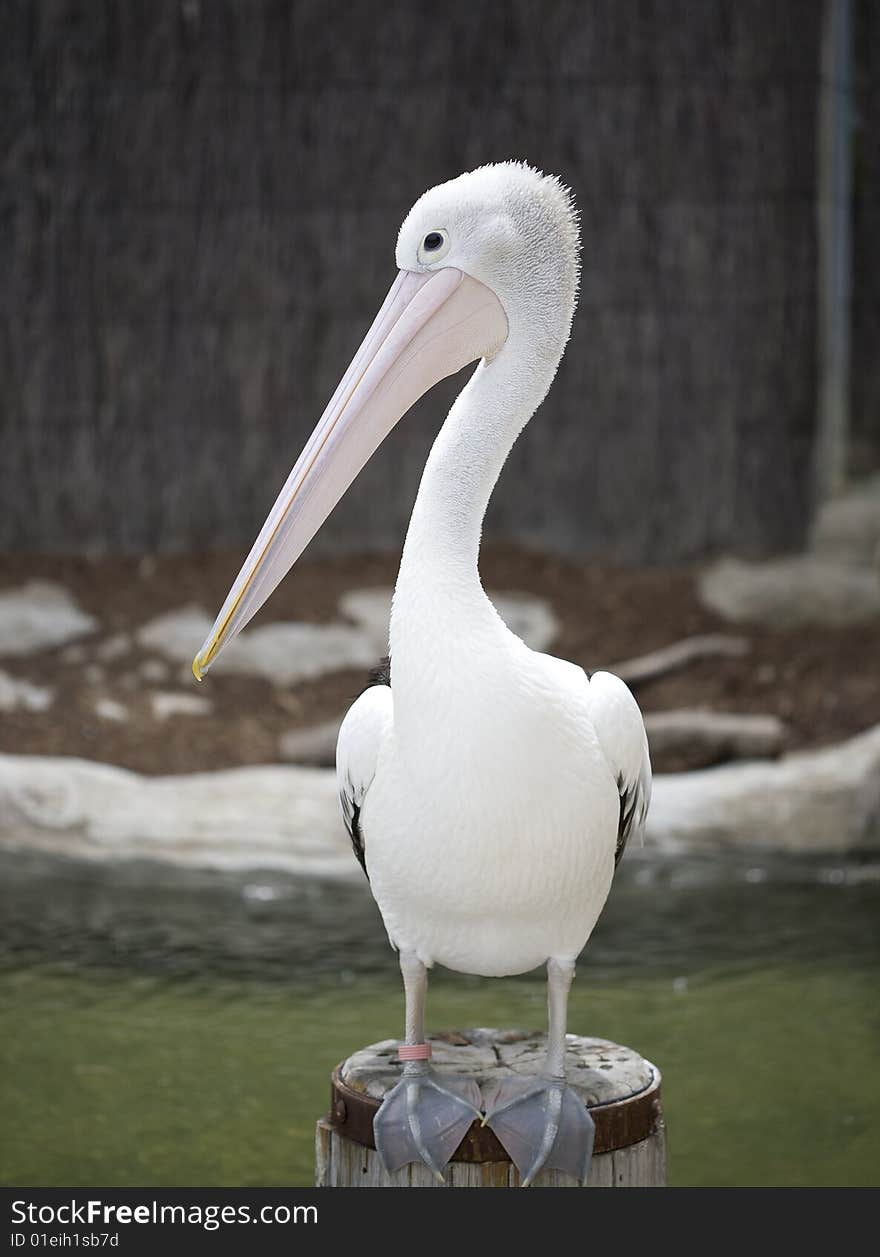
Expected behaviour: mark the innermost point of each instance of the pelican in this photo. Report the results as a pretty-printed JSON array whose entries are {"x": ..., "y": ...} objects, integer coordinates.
[{"x": 489, "y": 790}]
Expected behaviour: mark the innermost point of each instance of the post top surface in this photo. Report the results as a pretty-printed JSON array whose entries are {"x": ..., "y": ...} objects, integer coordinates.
[{"x": 600, "y": 1071}]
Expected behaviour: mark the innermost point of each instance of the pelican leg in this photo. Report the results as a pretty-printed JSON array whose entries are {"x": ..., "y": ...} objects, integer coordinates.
[
  {"x": 422, "y": 1119},
  {"x": 540, "y": 1122}
]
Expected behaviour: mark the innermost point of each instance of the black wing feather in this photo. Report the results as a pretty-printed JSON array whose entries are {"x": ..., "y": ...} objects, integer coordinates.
[
  {"x": 351, "y": 811},
  {"x": 634, "y": 799},
  {"x": 628, "y": 800}
]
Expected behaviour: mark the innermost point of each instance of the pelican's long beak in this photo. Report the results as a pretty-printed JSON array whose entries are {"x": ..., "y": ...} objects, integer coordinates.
[{"x": 429, "y": 327}]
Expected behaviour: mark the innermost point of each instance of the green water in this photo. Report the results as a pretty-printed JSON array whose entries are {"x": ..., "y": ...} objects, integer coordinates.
[{"x": 162, "y": 1028}]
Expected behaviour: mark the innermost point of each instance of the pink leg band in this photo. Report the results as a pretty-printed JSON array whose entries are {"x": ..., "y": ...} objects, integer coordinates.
[{"x": 414, "y": 1052}]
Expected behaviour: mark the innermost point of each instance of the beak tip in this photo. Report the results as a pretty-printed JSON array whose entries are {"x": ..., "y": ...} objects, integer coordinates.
[{"x": 197, "y": 667}]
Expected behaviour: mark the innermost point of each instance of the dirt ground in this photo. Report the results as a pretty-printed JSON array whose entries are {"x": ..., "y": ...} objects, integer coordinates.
[{"x": 825, "y": 684}]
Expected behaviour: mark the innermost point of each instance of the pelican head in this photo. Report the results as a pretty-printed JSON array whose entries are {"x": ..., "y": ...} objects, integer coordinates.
[
  {"x": 513, "y": 229},
  {"x": 486, "y": 263}
]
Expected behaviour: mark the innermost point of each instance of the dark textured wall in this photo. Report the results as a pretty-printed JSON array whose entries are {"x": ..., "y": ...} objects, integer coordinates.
[
  {"x": 200, "y": 201},
  {"x": 865, "y": 443}
]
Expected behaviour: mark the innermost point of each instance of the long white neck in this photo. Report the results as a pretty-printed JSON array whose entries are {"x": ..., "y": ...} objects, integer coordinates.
[{"x": 440, "y": 610}]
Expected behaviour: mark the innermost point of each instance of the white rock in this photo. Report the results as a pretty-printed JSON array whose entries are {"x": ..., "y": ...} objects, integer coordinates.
[
  {"x": 115, "y": 647},
  {"x": 531, "y": 618},
  {"x": 246, "y": 818},
  {"x": 791, "y": 593},
  {"x": 176, "y": 635},
  {"x": 709, "y": 737},
  {"x": 288, "y": 652},
  {"x": 18, "y": 694},
  {"x": 847, "y": 528},
  {"x": 110, "y": 709},
  {"x": 821, "y": 801},
  {"x": 288, "y": 818},
  {"x": 39, "y": 616},
  {"x": 370, "y": 609},
  {"x": 155, "y": 670},
  {"x": 166, "y": 703},
  {"x": 283, "y": 653},
  {"x": 837, "y": 582}
]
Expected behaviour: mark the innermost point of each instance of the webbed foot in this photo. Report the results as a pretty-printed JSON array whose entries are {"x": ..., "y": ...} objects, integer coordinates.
[
  {"x": 423, "y": 1119},
  {"x": 542, "y": 1124}
]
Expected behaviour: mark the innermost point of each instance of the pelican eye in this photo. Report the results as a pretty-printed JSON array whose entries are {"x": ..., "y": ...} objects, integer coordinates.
[{"x": 434, "y": 246}]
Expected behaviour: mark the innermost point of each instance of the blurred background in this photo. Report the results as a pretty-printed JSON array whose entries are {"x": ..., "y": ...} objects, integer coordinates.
[{"x": 200, "y": 204}]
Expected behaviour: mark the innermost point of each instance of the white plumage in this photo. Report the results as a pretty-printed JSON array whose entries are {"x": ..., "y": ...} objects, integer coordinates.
[{"x": 490, "y": 841}]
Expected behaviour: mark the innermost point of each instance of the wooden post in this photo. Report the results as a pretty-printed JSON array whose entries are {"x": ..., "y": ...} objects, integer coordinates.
[{"x": 620, "y": 1088}]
